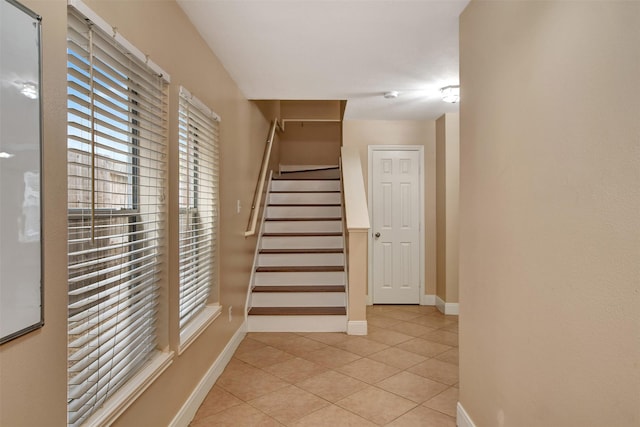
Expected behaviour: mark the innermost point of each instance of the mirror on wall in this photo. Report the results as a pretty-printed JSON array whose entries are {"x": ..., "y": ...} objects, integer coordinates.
[{"x": 21, "y": 304}]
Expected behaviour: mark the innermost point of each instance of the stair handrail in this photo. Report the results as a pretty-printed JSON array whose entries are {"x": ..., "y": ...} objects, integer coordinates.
[{"x": 257, "y": 196}]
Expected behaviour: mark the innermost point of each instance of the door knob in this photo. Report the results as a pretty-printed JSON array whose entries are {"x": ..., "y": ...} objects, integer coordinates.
[{"x": 377, "y": 235}]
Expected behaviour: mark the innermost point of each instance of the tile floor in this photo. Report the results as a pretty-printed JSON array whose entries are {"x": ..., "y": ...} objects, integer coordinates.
[{"x": 404, "y": 373}]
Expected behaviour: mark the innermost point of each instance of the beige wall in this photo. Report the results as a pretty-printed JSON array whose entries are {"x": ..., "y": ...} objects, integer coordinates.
[
  {"x": 447, "y": 197},
  {"x": 441, "y": 209},
  {"x": 549, "y": 213},
  {"x": 33, "y": 367},
  {"x": 362, "y": 133},
  {"x": 314, "y": 134},
  {"x": 453, "y": 202},
  {"x": 311, "y": 143},
  {"x": 311, "y": 110}
]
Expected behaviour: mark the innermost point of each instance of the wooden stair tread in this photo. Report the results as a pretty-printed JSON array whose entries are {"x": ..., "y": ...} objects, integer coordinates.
[
  {"x": 302, "y": 251},
  {"x": 300, "y": 291},
  {"x": 299, "y": 288},
  {"x": 300, "y": 269},
  {"x": 297, "y": 311},
  {"x": 298, "y": 234},
  {"x": 336, "y": 218}
]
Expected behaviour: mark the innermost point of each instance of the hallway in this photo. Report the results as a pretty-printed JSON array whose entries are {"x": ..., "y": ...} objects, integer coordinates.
[{"x": 403, "y": 373}]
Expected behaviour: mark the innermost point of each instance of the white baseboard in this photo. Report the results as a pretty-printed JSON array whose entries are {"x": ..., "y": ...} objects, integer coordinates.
[
  {"x": 190, "y": 407},
  {"x": 427, "y": 299},
  {"x": 357, "y": 327},
  {"x": 463, "y": 419},
  {"x": 451, "y": 308}
]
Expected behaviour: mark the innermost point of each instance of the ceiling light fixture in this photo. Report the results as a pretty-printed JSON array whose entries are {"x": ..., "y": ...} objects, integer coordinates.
[
  {"x": 30, "y": 90},
  {"x": 391, "y": 94},
  {"x": 451, "y": 94}
]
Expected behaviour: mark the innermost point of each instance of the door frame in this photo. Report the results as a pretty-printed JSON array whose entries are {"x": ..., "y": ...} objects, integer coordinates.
[{"x": 421, "y": 187}]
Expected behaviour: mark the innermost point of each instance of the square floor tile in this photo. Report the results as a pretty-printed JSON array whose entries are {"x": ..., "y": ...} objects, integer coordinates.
[
  {"x": 387, "y": 337},
  {"x": 449, "y": 356},
  {"x": 217, "y": 400},
  {"x": 422, "y": 309},
  {"x": 331, "y": 357},
  {"x": 367, "y": 370},
  {"x": 437, "y": 370},
  {"x": 423, "y": 417},
  {"x": 401, "y": 314},
  {"x": 264, "y": 357},
  {"x": 299, "y": 345},
  {"x": 295, "y": 370},
  {"x": 412, "y": 329},
  {"x": 411, "y": 386},
  {"x": 240, "y": 415},
  {"x": 272, "y": 338},
  {"x": 442, "y": 337},
  {"x": 249, "y": 344},
  {"x": 329, "y": 338},
  {"x": 333, "y": 416},
  {"x": 332, "y": 385},
  {"x": 361, "y": 346},
  {"x": 376, "y": 405},
  {"x": 432, "y": 321},
  {"x": 423, "y": 347},
  {"x": 453, "y": 327},
  {"x": 446, "y": 402},
  {"x": 399, "y": 358},
  {"x": 403, "y": 373},
  {"x": 377, "y": 320},
  {"x": 288, "y": 404},
  {"x": 237, "y": 367},
  {"x": 249, "y": 383}
]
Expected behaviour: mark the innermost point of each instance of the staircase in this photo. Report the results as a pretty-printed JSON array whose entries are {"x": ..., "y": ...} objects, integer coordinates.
[{"x": 299, "y": 279}]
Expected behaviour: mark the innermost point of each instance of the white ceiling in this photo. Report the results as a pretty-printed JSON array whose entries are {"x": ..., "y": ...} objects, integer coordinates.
[{"x": 338, "y": 49}]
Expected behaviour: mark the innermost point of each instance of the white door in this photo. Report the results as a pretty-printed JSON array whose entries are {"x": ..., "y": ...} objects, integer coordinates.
[{"x": 396, "y": 221}]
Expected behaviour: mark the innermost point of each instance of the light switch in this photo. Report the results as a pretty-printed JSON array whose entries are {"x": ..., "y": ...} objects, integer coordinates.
[{"x": 238, "y": 206}]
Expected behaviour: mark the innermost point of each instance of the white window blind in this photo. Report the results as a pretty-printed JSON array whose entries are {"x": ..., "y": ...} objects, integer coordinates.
[
  {"x": 198, "y": 204},
  {"x": 116, "y": 110}
]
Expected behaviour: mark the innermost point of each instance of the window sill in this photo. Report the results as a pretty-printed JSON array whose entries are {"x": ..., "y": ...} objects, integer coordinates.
[
  {"x": 123, "y": 398},
  {"x": 197, "y": 326}
]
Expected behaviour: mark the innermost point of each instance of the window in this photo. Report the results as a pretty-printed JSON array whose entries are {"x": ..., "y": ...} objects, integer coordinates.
[
  {"x": 198, "y": 205},
  {"x": 116, "y": 109}
]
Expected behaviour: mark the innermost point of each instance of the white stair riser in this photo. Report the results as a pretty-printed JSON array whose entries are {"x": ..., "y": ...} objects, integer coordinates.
[
  {"x": 304, "y": 212},
  {"x": 297, "y": 323},
  {"x": 302, "y": 226},
  {"x": 305, "y": 185},
  {"x": 274, "y": 260},
  {"x": 302, "y": 242},
  {"x": 304, "y": 198},
  {"x": 300, "y": 278},
  {"x": 298, "y": 299},
  {"x": 300, "y": 323}
]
